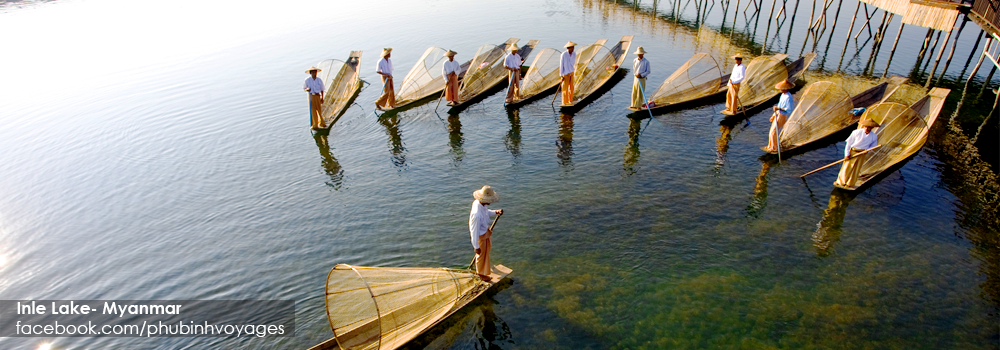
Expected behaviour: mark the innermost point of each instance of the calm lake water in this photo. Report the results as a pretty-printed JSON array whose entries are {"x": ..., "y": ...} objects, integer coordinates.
[{"x": 161, "y": 150}]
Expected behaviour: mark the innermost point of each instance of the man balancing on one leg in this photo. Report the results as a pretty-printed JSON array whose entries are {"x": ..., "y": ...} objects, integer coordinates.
[
  {"x": 479, "y": 227},
  {"x": 513, "y": 63},
  {"x": 450, "y": 72},
  {"x": 641, "y": 68},
  {"x": 314, "y": 86},
  {"x": 384, "y": 68},
  {"x": 860, "y": 140},
  {"x": 780, "y": 115},
  {"x": 567, "y": 67},
  {"x": 735, "y": 79}
]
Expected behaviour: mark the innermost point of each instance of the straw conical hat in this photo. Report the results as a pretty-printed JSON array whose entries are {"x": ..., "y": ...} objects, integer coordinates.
[
  {"x": 313, "y": 68},
  {"x": 386, "y": 51},
  {"x": 640, "y": 51},
  {"x": 450, "y": 53},
  {"x": 569, "y": 44},
  {"x": 869, "y": 123},
  {"x": 783, "y": 85},
  {"x": 512, "y": 47},
  {"x": 486, "y": 195}
]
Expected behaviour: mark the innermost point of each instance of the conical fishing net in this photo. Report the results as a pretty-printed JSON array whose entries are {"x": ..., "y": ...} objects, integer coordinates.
[
  {"x": 341, "y": 79},
  {"x": 763, "y": 73},
  {"x": 424, "y": 79},
  {"x": 697, "y": 78},
  {"x": 901, "y": 132},
  {"x": 595, "y": 65},
  {"x": 542, "y": 75},
  {"x": 485, "y": 72},
  {"x": 823, "y": 109},
  {"x": 384, "y": 307}
]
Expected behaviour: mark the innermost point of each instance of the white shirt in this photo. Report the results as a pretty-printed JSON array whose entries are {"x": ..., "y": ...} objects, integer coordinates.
[
  {"x": 785, "y": 104},
  {"x": 449, "y": 67},
  {"x": 860, "y": 140},
  {"x": 567, "y": 63},
  {"x": 315, "y": 86},
  {"x": 384, "y": 66},
  {"x": 739, "y": 71},
  {"x": 641, "y": 67},
  {"x": 479, "y": 221},
  {"x": 512, "y": 61}
]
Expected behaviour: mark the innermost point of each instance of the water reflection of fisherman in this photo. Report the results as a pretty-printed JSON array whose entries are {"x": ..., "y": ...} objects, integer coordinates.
[
  {"x": 314, "y": 86},
  {"x": 722, "y": 144},
  {"x": 455, "y": 139},
  {"x": 384, "y": 68},
  {"x": 565, "y": 141},
  {"x": 513, "y": 138},
  {"x": 631, "y": 156},
  {"x": 513, "y": 63},
  {"x": 479, "y": 228},
  {"x": 759, "y": 199},
  {"x": 828, "y": 229},
  {"x": 641, "y": 68},
  {"x": 780, "y": 115},
  {"x": 860, "y": 140},
  {"x": 450, "y": 72},
  {"x": 391, "y": 124},
  {"x": 567, "y": 67},
  {"x": 735, "y": 79},
  {"x": 330, "y": 164}
]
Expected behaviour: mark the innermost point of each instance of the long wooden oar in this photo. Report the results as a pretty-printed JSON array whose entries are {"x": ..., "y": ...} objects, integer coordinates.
[
  {"x": 473, "y": 263},
  {"x": 841, "y": 160},
  {"x": 646, "y": 101}
]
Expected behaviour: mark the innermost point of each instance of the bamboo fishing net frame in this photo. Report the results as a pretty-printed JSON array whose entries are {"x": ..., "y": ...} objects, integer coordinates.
[
  {"x": 901, "y": 132},
  {"x": 542, "y": 75},
  {"x": 485, "y": 71},
  {"x": 424, "y": 79},
  {"x": 341, "y": 88},
  {"x": 595, "y": 65},
  {"x": 823, "y": 108},
  {"x": 699, "y": 77},
  {"x": 763, "y": 73}
]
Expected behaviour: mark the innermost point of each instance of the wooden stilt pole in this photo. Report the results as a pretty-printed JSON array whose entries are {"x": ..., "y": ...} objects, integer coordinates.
[
  {"x": 768, "y": 30},
  {"x": 952, "y": 52},
  {"x": 877, "y": 47},
  {"x": 958, "y": 107},
  {"x": 996, "y": 100},
  {"x": 893, "y": 51},
  {"x": 938, "y": 60},
  {"x": 971, "y": 54},
  {"x": 791, "y": 26},
  {"x": 848, "y": 40},
  {"x": 930, "y": 49},
  {"x": 986, "y": 83}
]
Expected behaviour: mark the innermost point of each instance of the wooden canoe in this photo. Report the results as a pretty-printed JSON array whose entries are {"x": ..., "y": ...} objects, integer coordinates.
[
  {"x": 700, "y": 77},
  {"x": 763, "y": 73},
  {"x": 595, "y": 66},
  {"x": 902, "y": 132},
  {"x": 342, "y": 86},
  {"x": 383, "y": 308},
  {"x": 487, "y": 71},
  {"x": 824, "y": 109},
  {"x": 542, "y": 76}
]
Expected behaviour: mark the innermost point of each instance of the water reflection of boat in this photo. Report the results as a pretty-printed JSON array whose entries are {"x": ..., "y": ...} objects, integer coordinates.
[
  {"x": 699, "y": 77},
  {"x": 478, "y": 318},
  {"x": 391, "y": 124},
  {"x": 902, "y": 132},
  {"x": 595, "y": 66},
  {"x": 722, "y": 145},
  {"x": 486, "y": 72},
  {"x": 330, "y": 165},
  {"x": 759, "y": 199},
  {"x": 542, "y": 76},
  {"x": 824, "y": 109},
  {"x": 763, "y": 73},
  {"x": 828, "y": 229},
  {"x": 631, "y": 156},
  {"x": 455, "y": 139},
  {"x": 564, "y": 144},
  {"x": 342, "y": 86},
  {"x": 513, "y": 139},
  {"x": 385, "y": 307}
]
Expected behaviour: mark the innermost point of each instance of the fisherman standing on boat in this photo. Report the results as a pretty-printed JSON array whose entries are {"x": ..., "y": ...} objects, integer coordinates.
[
  {"x": 641, "y": 68},
  {"x": 513, "y": 63},
  {"x": 479, "y": 227},
  {"x": 567, "y": 66},
  {"x": 450, "y": 73},
  {"x": 780, "y": 115},
  {"x": 859, "y": 141},
  {"x": 735, "y": 79},
  {"x": 384, "y": 68},
  {"x": 314, "y": 86}
]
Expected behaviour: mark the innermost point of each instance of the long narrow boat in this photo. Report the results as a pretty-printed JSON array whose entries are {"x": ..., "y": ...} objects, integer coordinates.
[
  {"x": 542, "y": 76},
  {"x": 824, "y": 109},
  {"x": 902, "y": 132},
  {"x": 763, "y": 73},
  {"x": 342, "y": 86},
  {"x": 700, "y": 77},
  {"x": 423, "y": 80},
  {"x": 383, "y": 308},
  {"x": 487, "y": 71},
  {"x": 595, "y": 66}
]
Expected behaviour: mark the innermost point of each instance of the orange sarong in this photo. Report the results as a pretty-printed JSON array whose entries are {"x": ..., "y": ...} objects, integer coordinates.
[
  {"x": 451, "y": 88},
  {"x": 388, "y": 98},
  {"x": 567, "y": 89}
]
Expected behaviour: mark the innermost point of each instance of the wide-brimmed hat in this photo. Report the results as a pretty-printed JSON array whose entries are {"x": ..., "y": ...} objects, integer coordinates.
[
  {"x": 450, "y": 53},
  {"x": 640, "y": 51},
  {"x": 513, "y": 47},
  {"x": 313, "y": 69},
  {"x": 569, "y": 44},
  {"x": 784, "y": 85},
  {"x": 869, "y": 122},
  {"x": 386, "y": 51},
  {"x": 738, "y": 56},
  {"x": 486, "y": 195}
]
